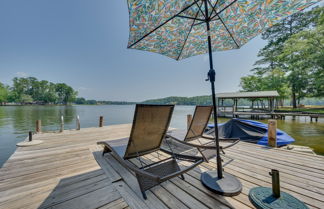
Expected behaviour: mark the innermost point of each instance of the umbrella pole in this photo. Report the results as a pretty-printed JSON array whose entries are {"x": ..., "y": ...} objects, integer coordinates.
[
  {"x": 212, "y": 77},
  {"x": 217, "y": 181}
]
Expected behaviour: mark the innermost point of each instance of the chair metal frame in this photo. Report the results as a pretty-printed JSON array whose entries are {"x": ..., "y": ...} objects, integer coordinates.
[{"x": 202, "y": 147}]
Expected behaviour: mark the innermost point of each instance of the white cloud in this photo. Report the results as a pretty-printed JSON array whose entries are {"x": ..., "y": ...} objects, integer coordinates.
[{"x": 21, "y": 74}]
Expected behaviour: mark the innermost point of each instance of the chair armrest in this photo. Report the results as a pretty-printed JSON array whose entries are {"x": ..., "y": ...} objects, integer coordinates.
[
  {"x": 194, "y": 145},
  {"x": 230, "y": 145}
]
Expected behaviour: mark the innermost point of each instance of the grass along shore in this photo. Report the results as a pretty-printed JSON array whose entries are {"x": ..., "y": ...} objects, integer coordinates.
[{"x": 306, "y": 109}]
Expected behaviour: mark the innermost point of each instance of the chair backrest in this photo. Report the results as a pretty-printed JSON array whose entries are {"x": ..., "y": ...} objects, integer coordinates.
[
  {"x": 150, "y": 125},
  {"x": 199, "y": 122}
]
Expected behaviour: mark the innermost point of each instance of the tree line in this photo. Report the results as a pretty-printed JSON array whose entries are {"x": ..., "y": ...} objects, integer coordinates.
[
  {"x": 82, "y": 101},
  {"x": 292, "y": 62},
  {"x": 201, "y": 100},
  {"x": 32, "y": 91}
]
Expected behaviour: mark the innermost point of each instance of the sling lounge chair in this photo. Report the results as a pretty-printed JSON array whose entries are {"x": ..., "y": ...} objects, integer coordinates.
[
  {"x": 196, "y": 131},
  {"x": 148, "y": 130}
]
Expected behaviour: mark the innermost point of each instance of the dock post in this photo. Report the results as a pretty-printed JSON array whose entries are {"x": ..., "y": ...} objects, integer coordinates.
[
  {"x": 62, "y": 124},
  {"x": 275, "y": 183},
  {"x": 78, "y": 127},
  {"x": 272, "y": 133},
  {"x": 189, "y": 119},
  {"x": 38, "y": 126},
  {"x": 101, "y": 121},
  {"x": 30, "y": 134}
]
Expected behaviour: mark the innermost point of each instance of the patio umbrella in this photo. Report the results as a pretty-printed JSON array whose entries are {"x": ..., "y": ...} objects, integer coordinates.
[{"x": 183, "y": 28}]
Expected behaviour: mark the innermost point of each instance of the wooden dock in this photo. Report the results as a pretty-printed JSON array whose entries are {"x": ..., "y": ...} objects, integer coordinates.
[{"x": 68, "y": 171}]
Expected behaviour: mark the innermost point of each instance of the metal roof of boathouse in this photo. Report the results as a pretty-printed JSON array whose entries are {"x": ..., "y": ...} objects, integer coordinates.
[{"x": 254, "y": 94}]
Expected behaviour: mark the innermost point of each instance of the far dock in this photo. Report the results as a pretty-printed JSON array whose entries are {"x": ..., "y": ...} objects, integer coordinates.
[
  {"x": 275, "y": 115},
  {"x": 67, "y": 171},
  {"x": 264, "y": 104}
]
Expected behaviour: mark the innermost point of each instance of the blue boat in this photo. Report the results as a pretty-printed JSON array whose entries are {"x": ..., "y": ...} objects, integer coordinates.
[{"x": 251, "y": 131}]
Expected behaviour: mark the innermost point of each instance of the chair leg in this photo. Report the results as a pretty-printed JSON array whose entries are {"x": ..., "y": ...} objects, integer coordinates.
[
  {"x": 182, "y": 177},
  {"x": 144, "y": 195},
  {"x": 105, "y": 150}
]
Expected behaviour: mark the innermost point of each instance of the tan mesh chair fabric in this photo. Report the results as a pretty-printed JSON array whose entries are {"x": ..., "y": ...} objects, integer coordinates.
[
  {"x": 149, "y": 127},
  {"x": 199, "y": 121}
]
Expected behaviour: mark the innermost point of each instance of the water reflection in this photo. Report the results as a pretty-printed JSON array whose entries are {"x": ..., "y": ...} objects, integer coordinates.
[{"x": 23, "y": 118}]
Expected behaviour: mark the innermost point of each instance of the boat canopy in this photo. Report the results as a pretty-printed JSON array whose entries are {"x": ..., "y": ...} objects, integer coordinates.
[{"x": 251, "y": 131}]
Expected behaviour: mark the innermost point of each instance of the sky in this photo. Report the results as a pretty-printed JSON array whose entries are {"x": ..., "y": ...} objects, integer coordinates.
[{"x": 83, "y": 43}]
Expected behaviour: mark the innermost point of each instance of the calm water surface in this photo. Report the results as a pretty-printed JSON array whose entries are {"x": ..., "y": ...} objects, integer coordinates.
[{"x": 16, "y": 121}]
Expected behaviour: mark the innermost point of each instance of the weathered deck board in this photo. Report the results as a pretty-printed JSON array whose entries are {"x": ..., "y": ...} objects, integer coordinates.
[{"x": 68, "y": 171}]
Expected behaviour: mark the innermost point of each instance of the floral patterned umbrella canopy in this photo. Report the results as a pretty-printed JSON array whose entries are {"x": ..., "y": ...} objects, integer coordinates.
[{"x": 175, "y": 28}]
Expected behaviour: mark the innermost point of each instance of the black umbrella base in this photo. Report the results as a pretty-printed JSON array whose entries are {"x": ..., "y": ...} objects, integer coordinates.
[
  {"x": 227, "y": 186},
  {"x": 261, "y": 197}
]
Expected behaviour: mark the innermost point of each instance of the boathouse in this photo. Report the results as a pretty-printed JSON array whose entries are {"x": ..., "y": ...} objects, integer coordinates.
[{"x": 261, "y": 101}]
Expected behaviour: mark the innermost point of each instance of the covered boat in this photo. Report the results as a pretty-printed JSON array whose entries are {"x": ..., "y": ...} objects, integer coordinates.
[{"x": 251, "y": 131}]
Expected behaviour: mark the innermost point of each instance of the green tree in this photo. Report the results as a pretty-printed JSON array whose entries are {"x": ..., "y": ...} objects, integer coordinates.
[
  {"x": 23, "y": 86},
  {"x": 252, "y": 83},
  {"x": 44, "y": 91},
  {"x": 4, "y": 92},
  {"x": 80, "y": 100},
  {"x": 50, "y": 95},
  {"x": 304, "y": 53},
  {"x": 65, "y": 93},
  {"x": 267, "y": 81},
  {"x": 40, "y": 91},
  {"x": 275, "y": 57},
  {"x": 19, "y": 88},
  {"x": 278, "y": 34},
  {"x": 25, "y": 98}
]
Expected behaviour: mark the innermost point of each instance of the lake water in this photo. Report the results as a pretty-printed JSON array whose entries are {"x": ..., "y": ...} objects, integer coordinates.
[{"x": 16, "y": 121}]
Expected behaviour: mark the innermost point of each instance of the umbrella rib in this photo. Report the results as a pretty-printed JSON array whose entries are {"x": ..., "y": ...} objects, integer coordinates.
[
  {"x": 163, "y": 24},
  {"x": 213, "y": 7},
  {"x": 193, "y": 22},
  {"x": 238, "y": 46},
  {"x": 217, "y": 14},
  {"x": 199, "y": 7},
  {"x": 192, "y": 18}
]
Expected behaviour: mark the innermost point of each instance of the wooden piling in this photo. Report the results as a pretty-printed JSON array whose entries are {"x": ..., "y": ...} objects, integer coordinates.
[
  {"x": 38, "y": 126},
  {"x": 78, "y": 127},
  {"x": 62, "y": 124},
  {"x": 101, "y": 121},
  {"x": 189, "y": 119},
  {"x": 30, "y": 136},
  {"x": 272, "y": 133}
]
